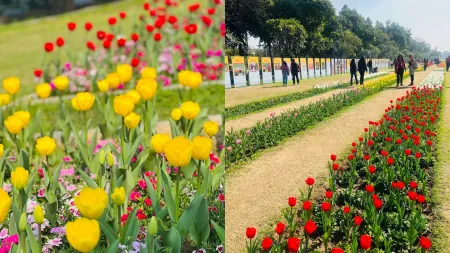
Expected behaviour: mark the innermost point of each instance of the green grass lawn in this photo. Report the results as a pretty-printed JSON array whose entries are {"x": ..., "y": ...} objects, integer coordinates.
[{"x": 22, "y": 43}]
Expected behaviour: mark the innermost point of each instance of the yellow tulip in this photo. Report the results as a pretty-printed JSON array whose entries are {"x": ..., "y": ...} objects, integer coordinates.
[
  {"x": 38, "y": 215},
  {"x": 182, "y": 77},
  {"x": 19, "y": 178},
  {"x": 83, "y": 101},
  {"x": 5, "y": 205},
  {"x": 148, "y": 72},
  {"x": 132, "y": 120},
  {"x": 91, "y": 202},
  {"x": 176, "y": 114},
  {"x": 123, "y": 105},
  {"x": 178, "y": 151},
  {"x": 113, "y": 80},
  {"x": 158, "y": 142},
  {"x": 124, "y": 71},
  {"x": 5, "y": 99},
  {"x": 190, "y": 109},
  {"x": 11, "y": 85},
  {"x": 211, "y": 128},
  {"x": 202, "y": 147},
  {"x": 43, "y": 90},
  {"x": 118, "y": 196},
  {"x": 45, "y": 145},
  {"x": 2, "y": 150},
  {"x": 14, "y": 124},
  {"x": 24, "y": 116},
  {"x": 135, "y": 95},
  {"x": 103, "y": 85},
  {"x": 83, "y": 234},
  {"x": 193, "y": 79},
  {"x": 61, "y": 82},
  {"x": 23, "y": 222},
  {"x": 146, "y": 88},
  {"x": 153, "y": 226},
  {"x": 110, "y": 159}
]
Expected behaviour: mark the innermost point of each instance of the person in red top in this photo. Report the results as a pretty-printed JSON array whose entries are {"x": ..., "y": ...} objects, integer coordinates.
[
  {"x": 447, "y": 62},
  {"x": 399, "y": 69}
]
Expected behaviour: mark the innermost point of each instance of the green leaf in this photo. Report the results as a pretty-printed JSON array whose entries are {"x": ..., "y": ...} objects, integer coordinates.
[
  {"x": 130, "y": 153},
  {"x": 50, "y": 211},
  {"x": 130, "y": 222},
  {"x": 24, "y": 160},
  {"x": 55, "y": 178},
  {"x": 89, "y": 181},
  {"x": 32, "y": 240},
  {"x": 170, "y": 203},
  {"x": 199, "y": 230},
  {"x": 220, "y": 232},
  {"x": 153, "y": 196},
  {"x": 188, "y": 170},
  {"x": 175, "y": 130},
  {"x": 172, "y": 240},
  {"x": 114, "y": 246},
  {"x": 217, "y": 175},
  {"x": 109, "y": 232},
  {"x": 189, "y": 214},
  {"x": 199, "y": 121}
]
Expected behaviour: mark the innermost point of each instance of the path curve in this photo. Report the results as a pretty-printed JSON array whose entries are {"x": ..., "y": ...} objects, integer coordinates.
[{"x": 259, "y": 190}]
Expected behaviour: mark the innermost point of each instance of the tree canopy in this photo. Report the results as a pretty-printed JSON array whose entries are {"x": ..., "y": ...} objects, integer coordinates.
[{"x": 314, "y": 28}]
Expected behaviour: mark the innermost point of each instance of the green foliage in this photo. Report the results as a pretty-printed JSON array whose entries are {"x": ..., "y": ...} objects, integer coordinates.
[{"x": 288, "y": 36}]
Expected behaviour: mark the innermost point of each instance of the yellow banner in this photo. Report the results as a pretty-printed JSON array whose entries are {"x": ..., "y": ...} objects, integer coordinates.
[
  {"x": 265, "y": 60},
  {"x": 277, "y": 63},
  {"x": 237, "y": 59},
  {"x": 252, "y": 59}
]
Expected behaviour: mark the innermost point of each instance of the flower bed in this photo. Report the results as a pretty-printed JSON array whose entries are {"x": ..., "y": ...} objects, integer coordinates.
[
  {"x": 337, "y": 83},
  {"x": 244, "y": 143},
  {"x": 376, "y": 200},
  {"x": 243, "y": 109},
  {"x": 113, "y": 182},
  {"x": 433, "y": 79}
]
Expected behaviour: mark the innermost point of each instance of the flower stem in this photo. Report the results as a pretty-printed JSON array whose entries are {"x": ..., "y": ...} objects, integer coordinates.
[
  {"x": 40, "y": 237},
  {"x": 177, "y": 196},
  {"x": 123, "y": 141}
]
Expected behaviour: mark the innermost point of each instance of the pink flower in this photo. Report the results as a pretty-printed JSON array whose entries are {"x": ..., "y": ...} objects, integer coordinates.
[
  {"x": 221, "y": 197},
  {"x": 229, "y": 148},
  {"x": 238, "y": 141},
  {"x": 53, "y": 86},
  {"x": 7, "y": 187},
  {"x": 134, "y": 196},
  {"x": 142, "y": 184},
  {"x": 41, "y": 193},
  {"x": 71, "y": 188}
]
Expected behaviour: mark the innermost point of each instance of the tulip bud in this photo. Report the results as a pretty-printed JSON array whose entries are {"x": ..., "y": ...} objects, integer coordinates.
[
  {"x": 38, "y": 215},
  {"x": 110, "y": 159},
  {"x": 101, "y": 157},
  {"x": 153, "y": 226},
  {"x": 23, "y": 222}
]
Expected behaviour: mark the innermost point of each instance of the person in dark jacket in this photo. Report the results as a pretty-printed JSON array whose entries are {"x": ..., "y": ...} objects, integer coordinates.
[
  {"x": 370, "y": 66},
  {"x": 425, "y": 64},
  {"x": 294, "y": 71},
  {"x": 362, "y": 68},
  {"x": 400, "y": 69},
  {"x": 353, "y": 70}
]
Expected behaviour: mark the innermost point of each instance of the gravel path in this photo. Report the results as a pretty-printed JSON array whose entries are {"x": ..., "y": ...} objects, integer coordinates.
[
  {"x": 245, "y": 95},
  {"x": 257, "y": 191}
]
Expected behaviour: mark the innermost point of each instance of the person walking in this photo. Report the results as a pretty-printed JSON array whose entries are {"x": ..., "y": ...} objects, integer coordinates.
[
  {"x": 294, "y": 71},
  {"x": 425, "y": 64},
  {"x": 362, "y": 68},
  {"x": 399, "y": 69},
  {"x": 353, "y": 70},
  {"x": 412, "y": 65},
  {"x": 285, "y": 72},
  {"x": 370, "y": 66},
  {"x": 447, "y": 62}
]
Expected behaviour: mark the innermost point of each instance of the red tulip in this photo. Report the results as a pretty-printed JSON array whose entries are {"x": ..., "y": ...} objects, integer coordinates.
[
  {"x": 365, "y": 242},
  {"x": 146, "y": 6},
  {"x": 369, "y": 188},
  {"x": 328, "y": 194},
  {"x": 157, "y": 37},
  {"x": 333, "y": 157},
  {"x": 310, "y": 181},
  {"x": 88, "y": 26},
  {"x": 37, "y": 73},
  {"x": 400, "y": 185},
  {"x": 122, "y": 15},
  {"x": 135, "y": 37},
  {"x": 207, "y": 20},
  {"x": 346, "y": 209},
  {"x": 266, "y": 244},
  {"x": 279, "y": 229},
  {"x": 293, "y": 244},
  {"x": 101, "y": 35},
  {"x": 211, "y": 11},
  {"x": 60, "y": 42},
  {"x": 250, "y": 232},
  {"x": 390, "y": 161},
  {"x": 413, "y": 184},
  {"x": 354, "y": 144},
  {"x": 407, "y": 152},
  {"x": 372, "y": 169},
  {"x": 172, "y": 19},
  {"x": 357, "y": 220},
  {"x": 106, "y": 44},
  {"x": 135, "y": 62},
  {"x": 425, "y": 243},
  {"x": 366, "y": 157},
  {"x": 292, "y": 201},
  {"x": 194, "y": 7},
  {"x": 310, "y": 227},
  {"x": 149, "y": 28},
  {"x": 418, "y": 155},
  {"x": 190, "y": 29},
  {"x": 307, "y": 205},
  {"x": 420, "y": 198},
  {"x": 378, "y": 203},
  {"x": 370, "y": 143},
  {"x": 90, "y": 45},
  {"x": 350, "y": 157},
  {"x": 335, "y": 166},
  {"x": 121, "y": 42},
  {"x": 412, "y": 195},
  {"x": 71, "y": 26},
  {"x": 326, "y": 206},
  {"x": 112, "y": 21},
  {"x": 337, "y": 250},
  {"x": 48, "y": 47}
]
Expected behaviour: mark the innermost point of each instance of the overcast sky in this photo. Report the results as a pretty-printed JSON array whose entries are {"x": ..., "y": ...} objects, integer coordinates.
[{"x": 428, "y": 20}]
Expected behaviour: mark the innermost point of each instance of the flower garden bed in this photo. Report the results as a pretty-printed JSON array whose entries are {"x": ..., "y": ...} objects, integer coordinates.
[
  {"x": 243, "y": 109},
  {"x": 377, "y": 197},
  {"x": 114, "y": 183},
  {"x": 244, "y": 143}
]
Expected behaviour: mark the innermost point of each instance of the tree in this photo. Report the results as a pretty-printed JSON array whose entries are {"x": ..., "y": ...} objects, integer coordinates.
[
  {"x": 288, "y": 36},
  {"x": 346, "y": 45}
]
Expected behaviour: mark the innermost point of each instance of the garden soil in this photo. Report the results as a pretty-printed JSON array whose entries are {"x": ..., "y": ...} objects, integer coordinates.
[{"x": 257, "y": 191}]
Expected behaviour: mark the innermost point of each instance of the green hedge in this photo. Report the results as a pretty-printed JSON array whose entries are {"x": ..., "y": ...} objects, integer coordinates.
[{"x": 252, "y": 107}]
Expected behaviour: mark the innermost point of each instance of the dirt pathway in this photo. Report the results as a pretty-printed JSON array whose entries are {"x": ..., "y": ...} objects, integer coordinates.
[
  {"x": 257, "y": 191},
  {"x": 253, "y": 93},
  {"x": 441, "y": 189}
]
